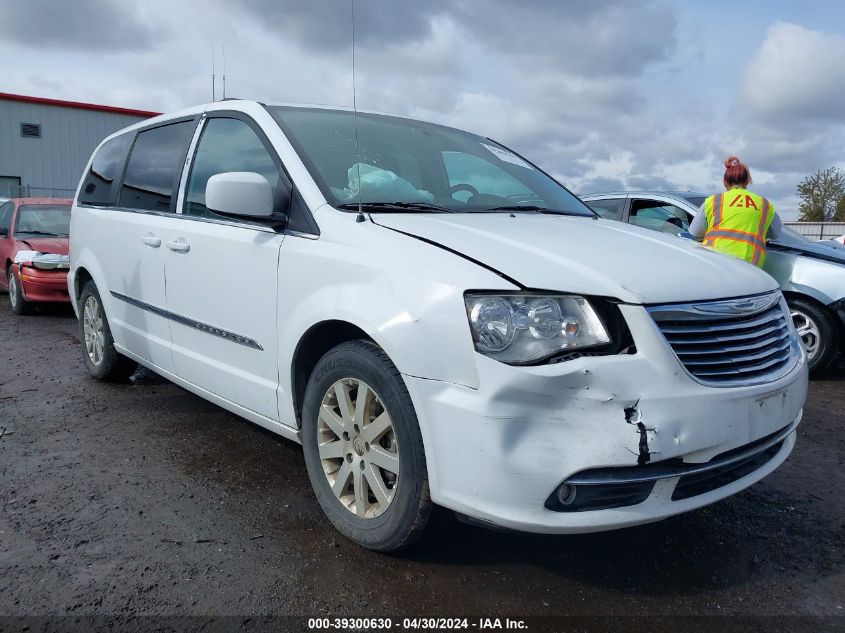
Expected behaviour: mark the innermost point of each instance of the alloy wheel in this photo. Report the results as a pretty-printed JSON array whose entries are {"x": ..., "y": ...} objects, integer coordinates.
[
  {"x": 94, "y": 330},
  {"x": 13, "y": 290},
  {"x": 807, "y": 330},
  {"x": 358, "y": 450}
]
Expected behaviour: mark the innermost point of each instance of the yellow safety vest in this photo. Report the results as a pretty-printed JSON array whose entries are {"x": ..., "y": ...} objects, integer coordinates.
[{"x": 737, "y": 224}]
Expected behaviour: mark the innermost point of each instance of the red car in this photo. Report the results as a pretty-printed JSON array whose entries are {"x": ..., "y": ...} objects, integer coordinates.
[{"x": 34, "y": 251}]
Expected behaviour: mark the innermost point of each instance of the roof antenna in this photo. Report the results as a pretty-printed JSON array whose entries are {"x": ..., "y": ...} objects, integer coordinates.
[
  {"x": 224, "y": 71},
  {"x": 213, "y": 95},
  {"x": 360, "y": 217}
]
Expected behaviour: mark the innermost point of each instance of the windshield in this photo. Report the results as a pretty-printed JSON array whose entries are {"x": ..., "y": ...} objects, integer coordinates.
[
  {"x": 52, "y": 220},
  {"x": 420, "y": 166},
  {"x": 696, "y": 201}
]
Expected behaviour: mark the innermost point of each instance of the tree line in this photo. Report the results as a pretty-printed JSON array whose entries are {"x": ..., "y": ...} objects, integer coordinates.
[{"x": 823, "y": 196}]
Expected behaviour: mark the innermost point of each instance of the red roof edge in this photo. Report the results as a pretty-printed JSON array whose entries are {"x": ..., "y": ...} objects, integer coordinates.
[{"x": 5, "y": 96}]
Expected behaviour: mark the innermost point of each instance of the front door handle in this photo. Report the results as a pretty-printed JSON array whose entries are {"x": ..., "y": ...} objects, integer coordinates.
[
  {"x": 151, "y": 240},
  {"x": 179, "y": 245}
]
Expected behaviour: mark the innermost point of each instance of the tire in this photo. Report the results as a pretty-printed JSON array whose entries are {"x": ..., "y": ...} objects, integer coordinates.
[
  {"x": 17, "y": 302},
  {"x": 817, "y": 331},
  {"x": 397, "y": 517},
  {"x": 103, "y": 361}
]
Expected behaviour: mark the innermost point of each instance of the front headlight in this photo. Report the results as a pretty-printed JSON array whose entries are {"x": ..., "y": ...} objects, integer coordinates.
[{"x": 526, "y": 328}]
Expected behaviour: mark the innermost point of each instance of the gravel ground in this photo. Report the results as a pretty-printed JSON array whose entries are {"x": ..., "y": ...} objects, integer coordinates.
[{"x": 142, "y": 499}]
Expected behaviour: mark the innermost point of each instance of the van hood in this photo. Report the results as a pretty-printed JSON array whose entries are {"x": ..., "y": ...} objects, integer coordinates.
[{"x": 586, "y": 256}]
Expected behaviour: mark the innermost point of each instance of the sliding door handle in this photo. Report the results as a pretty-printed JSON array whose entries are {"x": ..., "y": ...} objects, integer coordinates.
[
  {"x": 179, "y": 245},
  {"x": 151, "y": 240}
]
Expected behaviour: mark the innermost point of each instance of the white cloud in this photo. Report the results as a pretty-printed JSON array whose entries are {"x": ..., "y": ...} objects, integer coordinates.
[
  {"x": 797, "y": 74},
  {"x": 606, "y": 93}
]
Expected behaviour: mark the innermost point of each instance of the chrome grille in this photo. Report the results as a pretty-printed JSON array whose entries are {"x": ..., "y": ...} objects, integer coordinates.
[{"x": 733, "y": 342}]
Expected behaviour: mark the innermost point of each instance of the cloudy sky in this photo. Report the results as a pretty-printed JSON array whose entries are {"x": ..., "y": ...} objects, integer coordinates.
[{"x": 605, "y": 94}]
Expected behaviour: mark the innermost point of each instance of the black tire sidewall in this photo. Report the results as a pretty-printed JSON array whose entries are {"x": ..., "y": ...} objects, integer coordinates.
[
  {"x": 827, "y": 333},
  {"x": 364, "y": 361}
]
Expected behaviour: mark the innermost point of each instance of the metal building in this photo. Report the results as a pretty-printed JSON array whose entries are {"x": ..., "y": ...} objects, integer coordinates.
[{"x": 45, "y": 143}]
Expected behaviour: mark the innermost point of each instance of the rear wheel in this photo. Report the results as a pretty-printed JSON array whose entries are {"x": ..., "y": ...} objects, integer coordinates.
[
  {"x": 17, "y": 301},
  {"x": 103, "y": 361},
  {"x": 817, "y": 330},
  {"x": 363, "y": 448}
]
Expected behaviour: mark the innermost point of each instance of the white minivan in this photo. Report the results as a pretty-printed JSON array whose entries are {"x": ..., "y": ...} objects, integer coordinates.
[{"x": 441, "y": 324}]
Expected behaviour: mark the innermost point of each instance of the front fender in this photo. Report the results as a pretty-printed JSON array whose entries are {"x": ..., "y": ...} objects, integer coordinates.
[
  {"x": 403, "y": 293},
  {"x": 820, "y": 280}
]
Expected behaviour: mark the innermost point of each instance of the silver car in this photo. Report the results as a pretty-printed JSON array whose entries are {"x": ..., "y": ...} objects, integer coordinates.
[{"x": 811, "y": 274}]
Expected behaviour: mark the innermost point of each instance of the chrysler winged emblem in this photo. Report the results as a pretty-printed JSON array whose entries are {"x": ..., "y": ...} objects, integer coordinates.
[{"x": 746, "y": 305}]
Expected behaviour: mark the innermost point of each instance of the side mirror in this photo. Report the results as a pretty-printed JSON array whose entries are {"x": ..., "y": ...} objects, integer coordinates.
[{"x": 241, "y": 193}]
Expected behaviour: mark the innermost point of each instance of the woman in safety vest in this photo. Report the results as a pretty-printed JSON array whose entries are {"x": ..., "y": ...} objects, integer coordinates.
[{"x": 737, "y": 222}]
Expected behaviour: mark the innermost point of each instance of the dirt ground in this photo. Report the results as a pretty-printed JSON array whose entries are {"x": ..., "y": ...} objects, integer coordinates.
[{"x": 142, "y": 499}]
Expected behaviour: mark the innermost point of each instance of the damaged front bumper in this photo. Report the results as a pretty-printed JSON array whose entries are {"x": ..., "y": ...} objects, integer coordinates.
[
  {"x": 514, "y": 451},
  {"x": 43, "y": 276}
]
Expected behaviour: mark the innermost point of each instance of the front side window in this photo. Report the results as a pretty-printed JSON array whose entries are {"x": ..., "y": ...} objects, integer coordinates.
[
  {"x": 394, "y": 164},
  {"x": 608, "y": 209},
  {"x": 155, "y": 165},
  {"x": 659, "y": 216},
  {"x": 226, "y": 145},
  {"x": 47, "y": 220},
  {"x": 106, "y": 168}
]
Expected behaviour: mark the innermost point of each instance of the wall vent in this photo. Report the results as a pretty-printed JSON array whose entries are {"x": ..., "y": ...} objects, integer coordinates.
[{"x": 31, "y": 130}]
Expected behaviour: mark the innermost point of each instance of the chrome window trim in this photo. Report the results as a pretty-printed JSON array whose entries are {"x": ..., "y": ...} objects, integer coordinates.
[
  {"x": 194, "y": 218},
  {"x": 748, "y": 305},
  {"x": 192, "y": 148},
  {"x": 307, "y": 236}
]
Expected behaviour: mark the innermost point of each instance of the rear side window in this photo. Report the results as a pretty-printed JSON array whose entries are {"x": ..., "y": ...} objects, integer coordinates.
[
  {"x": 155, "y": 165},
  {"x": 106, "y": 168},
  {"x": 608, "y": 209}
]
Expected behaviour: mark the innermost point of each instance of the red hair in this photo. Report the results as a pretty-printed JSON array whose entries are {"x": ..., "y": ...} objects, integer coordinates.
[{"x": 736, "y": 173}]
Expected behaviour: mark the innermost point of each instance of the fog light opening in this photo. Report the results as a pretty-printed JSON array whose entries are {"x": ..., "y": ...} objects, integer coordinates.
[{"x": 566, "y": 494}]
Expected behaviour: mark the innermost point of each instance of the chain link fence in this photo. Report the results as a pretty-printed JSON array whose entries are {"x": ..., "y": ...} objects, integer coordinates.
[
  {"x": 818, "y": 230},
  {"x": 28, "y": 191}
]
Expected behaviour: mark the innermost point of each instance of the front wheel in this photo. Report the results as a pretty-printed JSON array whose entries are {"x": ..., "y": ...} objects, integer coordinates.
[
  {"x": 103, "y": 361},
  {"x": 17, "y": 301},
  {"x": 363, "y": 448},
  {"x": 817, "y": 331}
]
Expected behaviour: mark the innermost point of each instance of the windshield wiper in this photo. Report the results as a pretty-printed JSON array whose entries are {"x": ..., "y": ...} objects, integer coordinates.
[
  {"x": 41, "y": 233},
  {"x": 424, "y": 207},
  {"x": 535, "y": 209}
]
